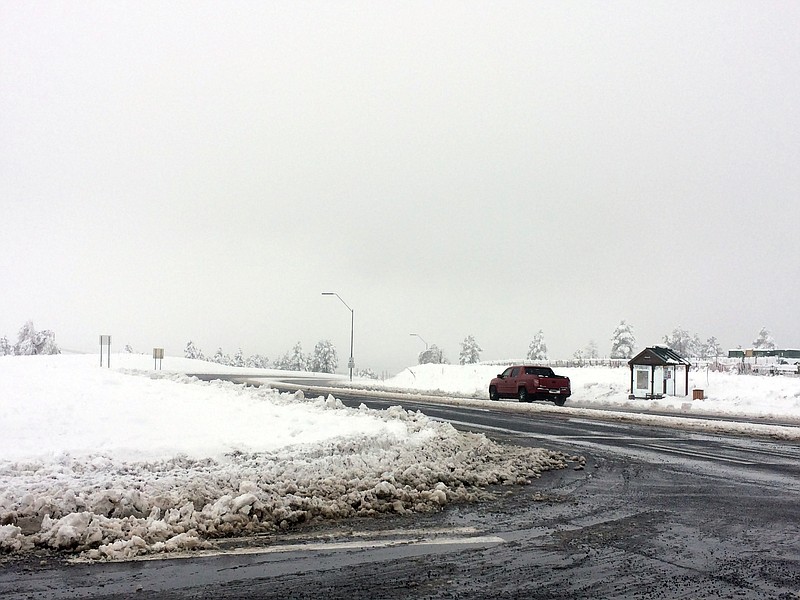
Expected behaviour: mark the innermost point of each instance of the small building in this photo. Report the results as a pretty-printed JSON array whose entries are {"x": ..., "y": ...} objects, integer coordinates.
[
  {"x": 659, "y": 371},
  {"x": 775, "y": 355}
]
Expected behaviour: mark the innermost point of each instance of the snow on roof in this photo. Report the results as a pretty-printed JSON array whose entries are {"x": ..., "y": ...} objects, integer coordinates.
[{"x": 665, "y": 355}]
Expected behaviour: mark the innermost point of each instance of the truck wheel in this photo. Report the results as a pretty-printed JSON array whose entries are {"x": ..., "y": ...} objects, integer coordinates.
[
  {"x": 559, "y": 401},
  {"x": 523, "y": 395},
  {"x": 493, "y": 393}
]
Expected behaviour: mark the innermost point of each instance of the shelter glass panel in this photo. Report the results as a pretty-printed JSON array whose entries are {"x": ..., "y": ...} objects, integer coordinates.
[{"x": 642, "y": 380}]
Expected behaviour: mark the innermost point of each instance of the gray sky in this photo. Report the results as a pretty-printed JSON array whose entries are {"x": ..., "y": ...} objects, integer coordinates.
[{"x": 202, "y": 170}]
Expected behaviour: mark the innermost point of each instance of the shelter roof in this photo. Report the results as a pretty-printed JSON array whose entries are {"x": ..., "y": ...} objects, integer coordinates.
[{"x": 658, "y": 355}]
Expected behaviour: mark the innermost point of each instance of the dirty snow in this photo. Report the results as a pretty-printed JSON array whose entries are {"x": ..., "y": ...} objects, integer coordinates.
[{"x": 114, "y": 463}]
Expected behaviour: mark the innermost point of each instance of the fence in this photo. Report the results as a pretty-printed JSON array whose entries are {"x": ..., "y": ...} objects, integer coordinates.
[
  {"x": 557, "y": 364},
  {"x": 721, "y": 365}
]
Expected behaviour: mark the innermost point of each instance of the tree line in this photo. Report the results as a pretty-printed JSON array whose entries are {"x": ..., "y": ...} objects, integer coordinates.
[
  {"x": 30, "y": 342},
  {"x": 623, "y": 346},
  {"x": 323, "y": 359}
]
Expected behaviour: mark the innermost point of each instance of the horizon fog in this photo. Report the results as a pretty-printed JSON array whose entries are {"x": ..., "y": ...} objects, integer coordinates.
[{"x": 205, "y": 172}]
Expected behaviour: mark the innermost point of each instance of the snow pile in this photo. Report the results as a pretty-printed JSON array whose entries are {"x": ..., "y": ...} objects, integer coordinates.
[
  {"x": 116, "y": 464},
  {"x": 726, "y": 394},
  {"x": 119, "y": 462}
]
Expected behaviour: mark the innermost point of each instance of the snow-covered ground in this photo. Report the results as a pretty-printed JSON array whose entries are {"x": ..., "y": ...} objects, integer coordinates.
[
  {"x": 726, "y": 394},
  {"x": 118, "y": 462},
  {"x": 125, "y": 461}
]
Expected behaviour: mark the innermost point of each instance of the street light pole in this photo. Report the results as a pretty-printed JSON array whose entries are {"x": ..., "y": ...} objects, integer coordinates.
[
  {"x": 420, "y": 337},
  {"x": 351, "y": 363}
]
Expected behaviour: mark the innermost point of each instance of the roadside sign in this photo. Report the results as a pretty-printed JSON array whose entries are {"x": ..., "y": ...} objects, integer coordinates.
[
  {"x": 105, "y": 340},
  {"x": 158, "y": 356}
]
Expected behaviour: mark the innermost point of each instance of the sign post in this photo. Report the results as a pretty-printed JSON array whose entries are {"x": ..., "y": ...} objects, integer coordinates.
[
  {"x": 158, "y": 356},
  {"x": 105, "y": 340}
]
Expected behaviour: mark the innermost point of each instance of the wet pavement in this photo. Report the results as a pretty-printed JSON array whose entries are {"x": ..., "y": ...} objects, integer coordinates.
[{"x": 683, "y": 516}]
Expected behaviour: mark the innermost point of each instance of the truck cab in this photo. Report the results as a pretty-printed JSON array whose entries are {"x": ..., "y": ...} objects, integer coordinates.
[{"x": 528, "y": 383}]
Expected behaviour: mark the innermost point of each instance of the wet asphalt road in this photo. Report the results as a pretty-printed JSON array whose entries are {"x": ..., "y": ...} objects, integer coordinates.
[{"x": 655, "y": 513}]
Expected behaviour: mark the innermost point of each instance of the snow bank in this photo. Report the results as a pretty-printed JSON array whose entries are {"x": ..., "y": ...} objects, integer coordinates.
[{"x": 114, "y": 464}]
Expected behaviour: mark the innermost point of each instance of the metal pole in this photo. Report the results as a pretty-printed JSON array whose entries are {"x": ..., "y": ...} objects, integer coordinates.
[
  {"x": 352, "y": 321},
  {"x": 103, "y": 340},
  {"x": 420, "y": 337}
]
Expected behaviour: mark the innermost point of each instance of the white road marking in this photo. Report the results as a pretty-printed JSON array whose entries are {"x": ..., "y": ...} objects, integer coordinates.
[
  {"x": 332, "y": 546},
  {"x": 600, "y": 423},
  {"x": 567, "y": 437},
  {"x": 644, "y": 442},
  {"x": 331, "y": 534}
]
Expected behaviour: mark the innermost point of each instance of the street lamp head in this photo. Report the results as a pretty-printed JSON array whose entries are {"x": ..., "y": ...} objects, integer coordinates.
[{"x": 420, "y": 337}]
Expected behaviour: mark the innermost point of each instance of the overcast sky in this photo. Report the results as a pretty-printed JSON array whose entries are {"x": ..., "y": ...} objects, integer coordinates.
[{"x": 204, "y": 170}]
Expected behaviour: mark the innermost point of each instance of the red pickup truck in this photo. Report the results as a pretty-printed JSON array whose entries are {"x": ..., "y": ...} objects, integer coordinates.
[{"x": 528, "y": 383}]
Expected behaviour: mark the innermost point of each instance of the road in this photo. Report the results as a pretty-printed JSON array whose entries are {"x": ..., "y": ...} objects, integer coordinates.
[
  {"x": 655, "y": 513},
  {"x": 581, "y": 435}
]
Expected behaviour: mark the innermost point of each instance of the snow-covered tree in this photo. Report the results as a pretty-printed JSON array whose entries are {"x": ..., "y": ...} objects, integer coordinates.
[
  {"x": 587, "y": 353},
  {"x": 680, "y": 341},
  {"x": 257, "y": 362},
  {"x": 324, "y": 359},
  {"x": 298, "y": 361},
  {"x": 537, "y": 350},
  {"x": 470, "y": 351},
  {"x": 46, "y": 343},
  {"x": 5, "y": 347},
  {"x": 281, "y": 362},
  {"x": 764, "y": 341},
  {"x": 684, "y": 343},
  {"x": 366, "y": 374},
  {"x": 26, "y": 340},
  {"x": 623, "y": 342},
  {"x": 294, "y": 360},
  {"x": 31, "y": 342},
  {"x": 193, "y": 351},
  {"x": 696, "y": 347},
  {"x": 128, "y": 349},
  {"x": 238, "y": 359},
  {"x": 221, "y": 358},
  {"x": 432, "y": 355},
  {"x": 711, "y": 349}
]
